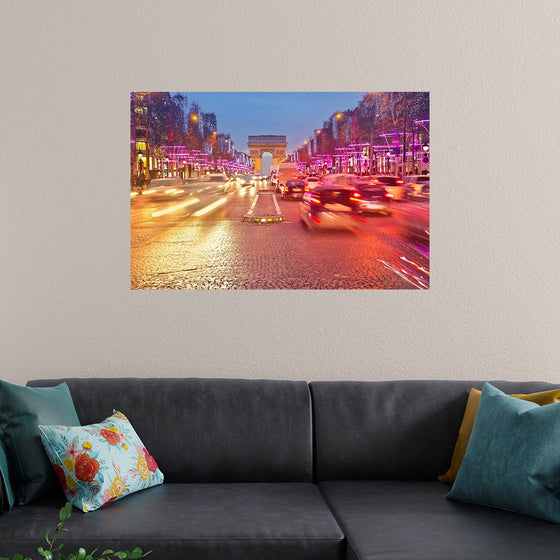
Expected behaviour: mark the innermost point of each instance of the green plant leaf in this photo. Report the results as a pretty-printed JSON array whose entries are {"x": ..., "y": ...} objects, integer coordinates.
[
  {"x": 46, "y": 554},
  {"x": 64, "y": 514}
]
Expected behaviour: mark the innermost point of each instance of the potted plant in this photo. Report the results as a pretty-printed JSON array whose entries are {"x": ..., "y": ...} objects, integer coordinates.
[{"x": 53, "y": 553}]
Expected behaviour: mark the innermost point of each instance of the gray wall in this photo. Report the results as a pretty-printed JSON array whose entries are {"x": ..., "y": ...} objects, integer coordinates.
[{"x": 493, "y": 72}]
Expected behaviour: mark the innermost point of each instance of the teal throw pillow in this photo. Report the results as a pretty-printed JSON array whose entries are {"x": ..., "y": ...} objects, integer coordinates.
[
  {"x": 100, "y": 463},
  {"x": 7, "y": 497},
  {"x": 21, "y": 410},
  {"x": 513, "y": 457}
]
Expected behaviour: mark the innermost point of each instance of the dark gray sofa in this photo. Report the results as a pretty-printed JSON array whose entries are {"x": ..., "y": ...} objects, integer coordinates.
[{"x": 289, "y": 470}]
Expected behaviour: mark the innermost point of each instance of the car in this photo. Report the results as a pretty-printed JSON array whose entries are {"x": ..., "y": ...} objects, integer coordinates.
[
  {"x": 394, "y": 185},
  {"x": 340, "y": 180},
  {"x": 371, "y": 198},
  {"x": 246, "y": 180},
  {"x": 293, "y": 189},
  {"x": 220, "y": 181},
  {"x": 311, "y": 181},
  {"x": 329, "y": 207},
  {"x": 414, "y": 217},
  {"x": 421, "y": 194},
  {"x": 217, "y": 178},
  {"x": 257, "y": 179},
  {"x": 416, "y": 186}
]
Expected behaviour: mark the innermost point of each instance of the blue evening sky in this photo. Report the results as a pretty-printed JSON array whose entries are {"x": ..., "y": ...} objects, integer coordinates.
[{"x": 294, "y": 114}]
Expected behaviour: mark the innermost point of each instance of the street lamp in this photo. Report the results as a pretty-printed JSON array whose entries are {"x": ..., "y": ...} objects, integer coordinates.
[{"x": 339, "y": 115}]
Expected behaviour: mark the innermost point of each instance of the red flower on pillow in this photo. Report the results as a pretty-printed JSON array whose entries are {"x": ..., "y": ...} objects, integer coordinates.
[
  {"x": 152, "y": 465},
  {"x": 61, "y": 475},
  {"x": 111, "y": 436},
  {"x": 86, "y": 467}
]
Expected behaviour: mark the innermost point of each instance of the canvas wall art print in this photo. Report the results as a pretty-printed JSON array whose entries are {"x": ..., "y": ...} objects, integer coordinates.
[{"x": 279, "y": 190}]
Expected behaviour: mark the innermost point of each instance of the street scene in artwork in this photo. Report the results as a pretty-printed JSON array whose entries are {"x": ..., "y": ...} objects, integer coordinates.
[{"x": 279, "y": 190}]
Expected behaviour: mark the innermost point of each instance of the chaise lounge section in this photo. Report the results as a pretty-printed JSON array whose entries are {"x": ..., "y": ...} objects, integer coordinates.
[{"x": 379, "y": 449}]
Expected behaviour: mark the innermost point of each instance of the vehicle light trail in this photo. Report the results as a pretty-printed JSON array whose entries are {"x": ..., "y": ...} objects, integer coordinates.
[
  {"x": 174, "y": 207},
  {"x": 210, "y": 207}
]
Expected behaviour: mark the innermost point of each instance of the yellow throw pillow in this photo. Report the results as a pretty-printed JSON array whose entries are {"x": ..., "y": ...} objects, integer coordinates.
[{"x": 541, "y": 398}]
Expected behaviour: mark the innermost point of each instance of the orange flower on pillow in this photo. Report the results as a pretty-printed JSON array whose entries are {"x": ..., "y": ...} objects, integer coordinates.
[
  {"x": 111, "y": 436},
  {"x": 86, "y": 467},
  {"x": 61, "y": 475},
  {"x": 152, "y": 465}
]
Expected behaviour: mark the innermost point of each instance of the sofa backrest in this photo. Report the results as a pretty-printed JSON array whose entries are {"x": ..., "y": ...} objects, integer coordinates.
[
  {"x": 394, "y": 430},
  {"x": 208, "y": 430}
]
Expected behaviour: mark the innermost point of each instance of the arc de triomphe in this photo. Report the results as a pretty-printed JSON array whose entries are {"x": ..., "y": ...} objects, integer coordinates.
[{"x": 258, "y": 145}]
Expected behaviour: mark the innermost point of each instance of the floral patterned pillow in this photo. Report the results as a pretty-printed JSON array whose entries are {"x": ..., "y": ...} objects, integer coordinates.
[{"x": 99, "y": 463}]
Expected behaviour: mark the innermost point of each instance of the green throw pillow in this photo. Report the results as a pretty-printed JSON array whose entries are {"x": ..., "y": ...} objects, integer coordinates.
[
  {"x": 6, "y": 489},
  {"x": 22, "y": 409},
  {"x": 513, "y": 457}
]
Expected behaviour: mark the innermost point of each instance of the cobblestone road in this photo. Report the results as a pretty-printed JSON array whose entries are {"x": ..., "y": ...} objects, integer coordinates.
[{"x": 220, "y": 251}]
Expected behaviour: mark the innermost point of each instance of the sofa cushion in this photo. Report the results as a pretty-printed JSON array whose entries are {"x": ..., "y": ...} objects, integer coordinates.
[
  {"x": 209, "y": 430},
  {"x": 513, "y": 457},
  {"x": 541, "y": 398},
  {"x": 399, "y": 430},
  {"x": 99, "y": 463},
  {"x": 21, "y": 410},
  {"x": 276, "y": 521},
  {"x": 411, "y": 520}
]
